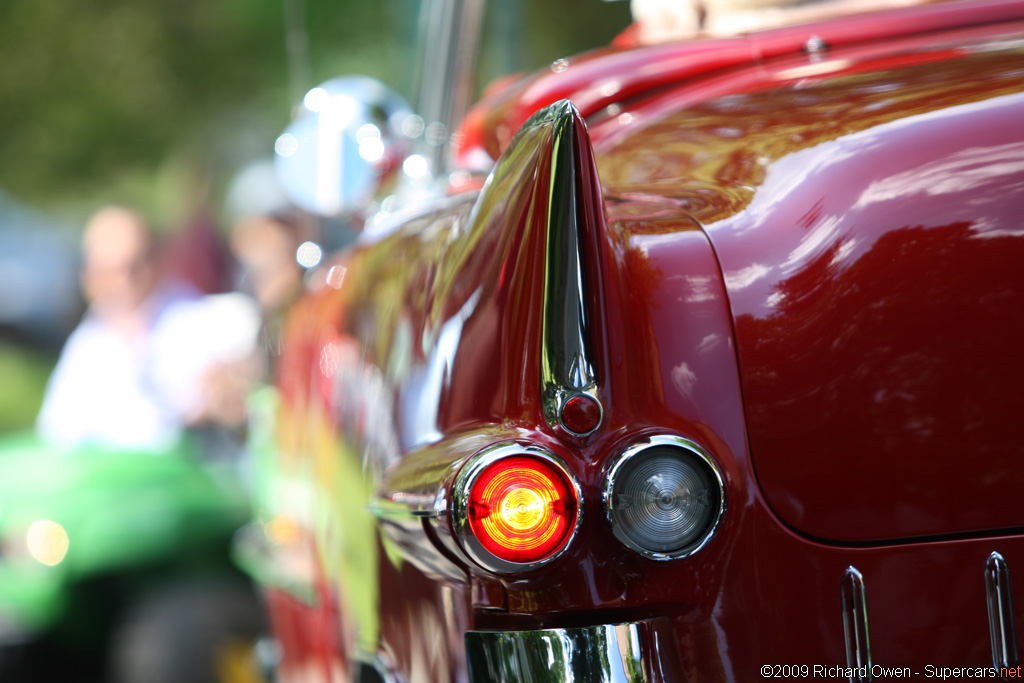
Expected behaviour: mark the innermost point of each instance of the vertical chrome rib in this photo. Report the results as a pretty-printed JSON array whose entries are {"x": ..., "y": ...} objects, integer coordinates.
[
  {"x": 567, "y": 365},
  {"x": 1000, "y": 612},
  {"x": 855, "y": 626}
]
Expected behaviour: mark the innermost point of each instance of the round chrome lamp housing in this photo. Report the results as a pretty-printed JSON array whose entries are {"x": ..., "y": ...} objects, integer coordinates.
[
  {"x": 465, "y": 494},
  {"x": 664, "y": 497}
]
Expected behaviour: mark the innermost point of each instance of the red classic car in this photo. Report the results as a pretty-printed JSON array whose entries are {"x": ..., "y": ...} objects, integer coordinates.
[{"x": 716, "y": 376}]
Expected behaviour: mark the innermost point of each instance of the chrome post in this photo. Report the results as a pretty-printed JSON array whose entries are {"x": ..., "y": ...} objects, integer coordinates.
[
  {"x": 449, "y": 36},
  {"x": 1000, "y": 612},
  {"x": 855, "y": 626},
  {"x": 296, "y": 42}
]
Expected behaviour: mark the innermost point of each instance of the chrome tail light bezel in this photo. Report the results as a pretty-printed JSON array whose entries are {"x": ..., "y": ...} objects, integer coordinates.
[
  {"x": 461, "y": 490},
  {"x": 638, "y": 449}
]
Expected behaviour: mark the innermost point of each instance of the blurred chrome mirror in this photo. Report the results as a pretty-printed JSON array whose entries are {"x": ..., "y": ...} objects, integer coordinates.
[{"x": 353, "y": 131}]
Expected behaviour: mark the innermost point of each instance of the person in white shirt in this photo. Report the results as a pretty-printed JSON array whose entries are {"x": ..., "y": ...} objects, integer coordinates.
[{"x": 133, "y": 374}]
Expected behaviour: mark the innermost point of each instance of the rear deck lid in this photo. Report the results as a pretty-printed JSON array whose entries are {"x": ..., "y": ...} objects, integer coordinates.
[{"x": 866, "y": 212}]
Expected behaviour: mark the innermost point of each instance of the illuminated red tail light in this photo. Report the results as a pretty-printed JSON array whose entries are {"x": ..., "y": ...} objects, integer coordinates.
[{"x": 522, "y": 509}]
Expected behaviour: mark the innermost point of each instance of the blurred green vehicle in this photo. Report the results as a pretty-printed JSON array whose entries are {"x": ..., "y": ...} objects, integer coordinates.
[{"x": 115, "y": 563}]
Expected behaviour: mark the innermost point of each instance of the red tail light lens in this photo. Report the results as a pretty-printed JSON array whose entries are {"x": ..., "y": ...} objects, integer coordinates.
[
  {"x": 522, "y": 509},
  {"x": 581, "y": 414}
]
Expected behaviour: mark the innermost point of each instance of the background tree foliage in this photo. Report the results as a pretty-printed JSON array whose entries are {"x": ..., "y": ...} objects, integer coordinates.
[{"x": 153, "y": 102}]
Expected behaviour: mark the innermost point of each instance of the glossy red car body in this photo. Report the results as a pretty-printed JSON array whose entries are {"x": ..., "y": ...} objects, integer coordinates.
[{"x": 804, "y": 251}]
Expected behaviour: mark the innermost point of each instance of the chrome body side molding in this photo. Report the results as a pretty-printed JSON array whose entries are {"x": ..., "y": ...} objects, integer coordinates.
[
  {"x": 1001, "y": 631},
  {"x": 855, "y": 626},
  {"x": 620, "y": 653}
]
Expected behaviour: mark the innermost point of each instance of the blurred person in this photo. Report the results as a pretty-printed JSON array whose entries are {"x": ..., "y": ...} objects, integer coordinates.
[
  {"x": 148, "y": 358},
  {"x": 265, "y": 246},
  {"x": 196, "y": 254}
]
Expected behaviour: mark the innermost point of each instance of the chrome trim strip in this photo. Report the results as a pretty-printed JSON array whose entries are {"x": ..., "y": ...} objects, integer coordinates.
[
  {"x": 459, "y": 503},
  {"x": 567, "y": 367},
  {"x": 401, "y": 505},
  {"x": 1002, "y": 633},
  {"x": 855, "y": 625},
  {"x": 596, "y": 654},
  {"x": 659, "y": 441}
]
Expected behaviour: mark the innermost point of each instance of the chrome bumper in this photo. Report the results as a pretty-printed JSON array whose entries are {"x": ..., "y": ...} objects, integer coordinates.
[{"x": 623, "y": 653}]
